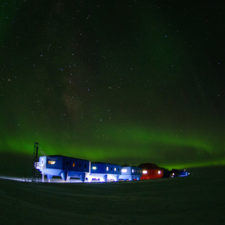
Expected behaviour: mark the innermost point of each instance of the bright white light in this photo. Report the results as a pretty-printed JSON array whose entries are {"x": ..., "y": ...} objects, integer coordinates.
[
  {"x": 94, "y": 167},
  {"x": 124, "y": 170},
  {"x": 38, "y": 165},
  {"x": 144, "y": 171},
  {"x": 159, "y": 172},
  {"x": 115, "y": 169},
  {"x": 132, "y": 170},
  {"x": 107, "y": 168}
]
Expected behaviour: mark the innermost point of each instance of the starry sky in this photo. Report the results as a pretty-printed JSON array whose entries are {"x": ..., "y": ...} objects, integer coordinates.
[{"x": 118, "y": 81}]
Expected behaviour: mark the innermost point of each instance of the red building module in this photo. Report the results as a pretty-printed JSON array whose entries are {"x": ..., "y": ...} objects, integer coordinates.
[{"x": 151, "y": 171}]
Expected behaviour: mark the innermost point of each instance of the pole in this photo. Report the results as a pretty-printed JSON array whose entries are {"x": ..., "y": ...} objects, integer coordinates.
[{"x": 35, "y": 159}]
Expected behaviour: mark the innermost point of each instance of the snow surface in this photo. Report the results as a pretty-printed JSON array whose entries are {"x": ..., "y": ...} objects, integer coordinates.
[{"x": 198, "y": 199}]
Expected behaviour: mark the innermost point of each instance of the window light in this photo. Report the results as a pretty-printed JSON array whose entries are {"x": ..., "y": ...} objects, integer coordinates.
[
  {"x": 144, "y": 171},
  {"x": 124, "y": 170},
  {"x": 51, "y": 162}
]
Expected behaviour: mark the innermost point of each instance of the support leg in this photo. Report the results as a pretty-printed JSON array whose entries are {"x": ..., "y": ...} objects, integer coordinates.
[
  {"x": 43, "y": 178},
  {"x": 105, "y": 178},
  {"x": 82, "y": 177},
  {"x": 49, "y": 178}
]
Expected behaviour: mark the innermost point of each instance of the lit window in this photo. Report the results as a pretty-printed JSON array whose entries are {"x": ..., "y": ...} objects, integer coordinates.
[
  {"x": 94, "y": 167},
  {"x": 132, "y": 170},
  {"x": 159, "y": 171},
  {"x": 115, "y": 169},
  {"x": 107, "y": 168},
  {"x": 124, "y": 170},
  {"x": 73, "y": 164},
  {"x": 51, "y": 162},
  {"x": 144, "y": 171}
]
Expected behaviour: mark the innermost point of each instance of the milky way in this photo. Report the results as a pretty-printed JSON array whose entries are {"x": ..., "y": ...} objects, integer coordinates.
[{"x": 125, "y": 82}]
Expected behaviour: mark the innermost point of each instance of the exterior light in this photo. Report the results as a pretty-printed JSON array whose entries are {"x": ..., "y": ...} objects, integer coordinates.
[
  {"x": 124, "y": 170},
  {"x": 107, "y": 168},
  {"x": 51, "y": 162},
  {"x": 144, "y": 171},
  {"x": 159, "y": 171},
  {"x": 132, "y": 170},
  {"x": 94, "y": 167},
  {"x": 115, "y": 169},
  {"x": 39, "y": 165}
]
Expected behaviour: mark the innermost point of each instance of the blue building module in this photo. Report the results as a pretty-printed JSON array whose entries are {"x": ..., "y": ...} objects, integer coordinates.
[
  {"x": 179, "y": 173},
  {"x": 65, "y": 167},
  {"x": 130, "y": 173},
  {"x": 104, "y": 172}
]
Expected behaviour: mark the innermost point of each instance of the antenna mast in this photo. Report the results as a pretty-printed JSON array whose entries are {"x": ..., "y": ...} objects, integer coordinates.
[{"x": 35, "y": 159}]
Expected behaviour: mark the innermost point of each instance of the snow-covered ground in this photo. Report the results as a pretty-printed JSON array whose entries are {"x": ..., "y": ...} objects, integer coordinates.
[
  {"x": 39, "y": 180},
  {"x": 53, "y": 181},
  {"x": 198, "y": 199}
]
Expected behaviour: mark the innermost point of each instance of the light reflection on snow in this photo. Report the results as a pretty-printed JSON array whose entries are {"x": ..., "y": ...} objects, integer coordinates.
[
  {"x": 38, "y": 180},
  {"x": 54, "y": 180}
]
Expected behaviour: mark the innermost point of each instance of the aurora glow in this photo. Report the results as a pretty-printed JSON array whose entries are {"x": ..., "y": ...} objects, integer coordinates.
[{"x": 146, "y": 85}]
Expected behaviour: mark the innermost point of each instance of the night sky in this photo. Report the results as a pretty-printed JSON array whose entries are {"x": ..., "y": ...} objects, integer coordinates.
[{"x": 117, "y": 81}]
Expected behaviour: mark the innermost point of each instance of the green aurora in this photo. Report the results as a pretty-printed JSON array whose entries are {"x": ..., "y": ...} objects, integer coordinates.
[
  {"x": 126, "y": 145},
  {"x": 144, "y": 86}
]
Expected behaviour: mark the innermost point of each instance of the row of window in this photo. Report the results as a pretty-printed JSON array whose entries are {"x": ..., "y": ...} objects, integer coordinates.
[
  {"x": 146, "y": 172},
  {"x": 80, "y": 165},
  {"x": 133, "y": 171},
  {"x": 51, "y": 162},
  {"x": 107, "y": 168},
  {"x": 115, "y": 169}
]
